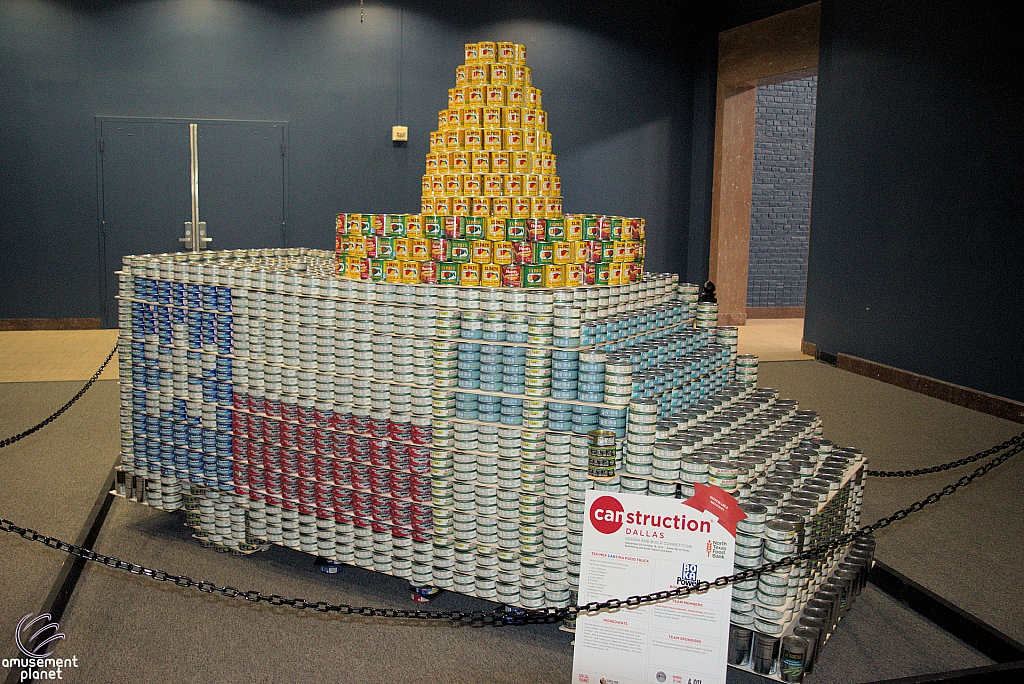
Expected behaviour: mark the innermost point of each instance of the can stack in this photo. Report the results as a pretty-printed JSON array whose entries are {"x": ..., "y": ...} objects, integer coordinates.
[{"x": 491, "y": 204}]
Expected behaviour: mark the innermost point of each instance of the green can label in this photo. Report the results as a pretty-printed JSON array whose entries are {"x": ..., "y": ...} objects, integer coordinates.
[
  {"x": 475, "y": 227},
  {"x": 543, "y": 253},
  {"x": 395, "y": 226},
  {"x": 433, "y": 226},
  {"x": 515, "y": 230},
  {"x": 377, "y": 270},
  {"x": 386, "y": 248},
  {"x": 556, "y": 230},
  {"x": 448, "y": 273},
  {"x": 460, "y": 251},
  {"x": 533, "y": 276},
  {"x": 601, "y": 271}
]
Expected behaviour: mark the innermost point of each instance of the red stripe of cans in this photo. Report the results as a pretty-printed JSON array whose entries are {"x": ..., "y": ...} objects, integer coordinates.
[
  {"x": 400, "y": 431},
  {"x": 307, "y": 509},
  {"x": 273, "y": 482},
  {"x": 343, "y": 518},
  {"x": 240, "y": 401},
  {"x": 239, "y": 423},
  {"x": 381, "y": 527},
  {"x": 289, "y": 412},
  {"x": 271, "y": 457},
  {"x": 272, "y": 407},
  {"x": 305, "y": 415},
  {"x": 323, "y": 419},
  {"x": 272, "y": 430},
  {"x": 360, "y": 424},
  {"x": 420, "y": 435},
  {"x": 257, "y": 477},
  {"x": 379, "y": 428},
  {"x": 341, "y": 421},
  {"x": 256, "y": 404},
  {"x": 254, "y": 453},
  {"x": 342, "y": 474},
  {"x": 239, "y": 447}
]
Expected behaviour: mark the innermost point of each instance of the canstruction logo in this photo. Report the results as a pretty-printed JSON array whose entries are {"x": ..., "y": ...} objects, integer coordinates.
[
  {"x": 34, "y": 637},
  {"x": 608, "y": 516}
]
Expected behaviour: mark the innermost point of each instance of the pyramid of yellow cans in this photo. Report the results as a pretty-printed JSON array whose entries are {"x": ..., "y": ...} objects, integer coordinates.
[{"x": 491, "y": 209}]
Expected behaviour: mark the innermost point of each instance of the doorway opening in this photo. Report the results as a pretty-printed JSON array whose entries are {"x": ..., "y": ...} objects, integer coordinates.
[{"x": 757, "y": 260}]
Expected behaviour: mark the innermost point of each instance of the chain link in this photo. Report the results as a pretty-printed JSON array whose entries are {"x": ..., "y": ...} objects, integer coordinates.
[
  {"x": 508, "y": 615},
  {"x": 1013, "y": 441},
  {"x": 85, "y": 388}
]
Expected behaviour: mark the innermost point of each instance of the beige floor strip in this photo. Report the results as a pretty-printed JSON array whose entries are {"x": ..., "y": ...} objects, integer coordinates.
[{"x": 48, "y": 355}]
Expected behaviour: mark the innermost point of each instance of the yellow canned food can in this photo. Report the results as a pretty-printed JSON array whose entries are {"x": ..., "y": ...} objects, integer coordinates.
[
  {"x": 420, "y": 249},
  {"x": 392, "y": 271},
  {"x": 410, "y": 272},
  {"x": 403, "y": 248},
  {"x": 469, "y": 274},
  {"x": 501, "y": 161},
  {"x": 513, "y": 184},
  {"x": 492, "y": 139},
  {"x": 501, "y": 207},
  {"x": 521, "y": 207},
  {"x": 507, "y": 52},
  {"x": 460, "y": 161},
  {"x": 481, "y": 162},
  {"x": 530, "y": 140},
  {"x": 573, "y": 275},
  {"x": 562, "y": 253},
  {"x": 490, "y": 275},
  {"x": 503, "y": 253},
  {"x": 481, "y": 251},
  {"x": 554, "y": 275},
  {"x": 492, "y": 184},
  {"x": 471, "y": 184},
  {"x": 474, "y": 139},
  {"x": 615, "y": 273},
  {"x": 481, "y": 207},
  {"x": 491, "y": 117},
  {"x": 554, "y": 208},
  {"x": 494, "y": 230},
  {"x": 513, "y": 138},
  {"x": 538, "y": 207}
]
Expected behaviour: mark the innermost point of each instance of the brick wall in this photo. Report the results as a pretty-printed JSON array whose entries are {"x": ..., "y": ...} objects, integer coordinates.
[{"x": 780, "y": 212}]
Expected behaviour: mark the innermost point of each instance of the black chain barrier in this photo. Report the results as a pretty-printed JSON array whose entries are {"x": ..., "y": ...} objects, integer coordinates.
[
  {"x": 1013, "y": 441},
  {"x": 57, "y": 414},
  {"x": 504, "y": 615}
]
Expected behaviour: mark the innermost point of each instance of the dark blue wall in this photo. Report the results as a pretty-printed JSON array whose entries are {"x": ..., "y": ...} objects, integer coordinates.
[
  {"x": 916, "y": 245},
  {"x": 780, "y": 206},
  {"x": 619, "y": 110}
]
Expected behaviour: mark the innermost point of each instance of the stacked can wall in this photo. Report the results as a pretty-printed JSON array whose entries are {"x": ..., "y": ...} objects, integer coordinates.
[{"x": 400, "y": 429}]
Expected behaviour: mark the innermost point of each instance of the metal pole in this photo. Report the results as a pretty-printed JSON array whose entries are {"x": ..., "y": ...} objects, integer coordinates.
[{"x": 193, "y": 134}]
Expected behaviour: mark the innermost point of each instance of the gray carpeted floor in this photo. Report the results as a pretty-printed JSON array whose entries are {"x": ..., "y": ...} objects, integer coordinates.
[
  {"x": 966, "y": 548},
  {"x": 126, "y": 628},
  {"x": 49, "y": 481}
]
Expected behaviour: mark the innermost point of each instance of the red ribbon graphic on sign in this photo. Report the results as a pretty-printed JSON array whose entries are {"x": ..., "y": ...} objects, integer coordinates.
[{"x": 717, "y": 502}]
